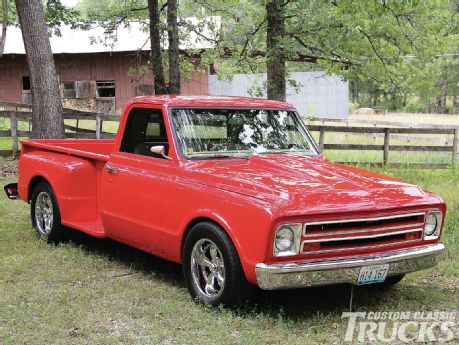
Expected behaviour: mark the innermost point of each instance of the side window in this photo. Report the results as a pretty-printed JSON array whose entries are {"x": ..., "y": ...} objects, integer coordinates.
[{"x": 144, "y": 129}]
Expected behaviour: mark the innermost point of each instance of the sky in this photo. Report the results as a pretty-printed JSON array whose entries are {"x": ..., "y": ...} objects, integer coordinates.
[{"x": 70, "y": 3}]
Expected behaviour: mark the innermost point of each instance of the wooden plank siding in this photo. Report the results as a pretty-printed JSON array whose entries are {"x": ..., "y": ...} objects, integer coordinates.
[{"x": 94, "y": 66}]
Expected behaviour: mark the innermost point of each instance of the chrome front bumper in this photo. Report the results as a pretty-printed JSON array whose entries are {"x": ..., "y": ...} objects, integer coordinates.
[{"x": 325, "y": 272}]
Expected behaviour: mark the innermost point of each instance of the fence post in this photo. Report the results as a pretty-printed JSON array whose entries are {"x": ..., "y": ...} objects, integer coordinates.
[
  {"x": 455, "y": 144},
  {"x": 98, "y": 126},
  {"x": 386, "y": 146},
  {"x": 14, "y": 133},
  {"x": 321, "y": 139}
]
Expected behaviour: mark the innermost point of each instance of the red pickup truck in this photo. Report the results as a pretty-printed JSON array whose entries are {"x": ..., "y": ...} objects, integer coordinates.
[{"x": 234, "y": 189}]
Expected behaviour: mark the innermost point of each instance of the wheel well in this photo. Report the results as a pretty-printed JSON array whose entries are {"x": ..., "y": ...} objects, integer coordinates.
[
  {"x": 197, "y": 221},
  {"x": 33, "y": 183}
]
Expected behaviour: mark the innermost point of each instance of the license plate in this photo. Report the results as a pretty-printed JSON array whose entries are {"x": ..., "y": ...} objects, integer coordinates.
[{"x": 372, "y": 274}]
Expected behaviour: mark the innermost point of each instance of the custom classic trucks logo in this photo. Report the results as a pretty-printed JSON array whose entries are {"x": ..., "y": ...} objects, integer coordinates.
[{"x": 401, "y": 326}]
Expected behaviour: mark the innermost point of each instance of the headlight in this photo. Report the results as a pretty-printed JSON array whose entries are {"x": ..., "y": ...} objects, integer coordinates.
[
  {"x": 287, "y": 240},
  {"x": 432, "y": 225}
]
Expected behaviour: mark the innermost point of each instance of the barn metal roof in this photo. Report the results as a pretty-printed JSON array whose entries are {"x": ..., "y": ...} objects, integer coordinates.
[{"x": 132, "y": 37}]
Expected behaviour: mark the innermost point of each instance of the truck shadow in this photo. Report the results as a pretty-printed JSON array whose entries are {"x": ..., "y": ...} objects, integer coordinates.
[{"x": 292, "y": 304}]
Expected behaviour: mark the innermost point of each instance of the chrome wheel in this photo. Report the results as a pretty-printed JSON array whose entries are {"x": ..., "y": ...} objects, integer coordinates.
[
  {"x": 44, "y": 214},
  {"x": 207, "y": 268}
]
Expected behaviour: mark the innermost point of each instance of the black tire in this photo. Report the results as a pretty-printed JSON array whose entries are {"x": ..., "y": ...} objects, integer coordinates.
[
  {"x": 391, "y": 281},
  {"x": 235, "y": 287},
  {"x": 53, "y": 231}
]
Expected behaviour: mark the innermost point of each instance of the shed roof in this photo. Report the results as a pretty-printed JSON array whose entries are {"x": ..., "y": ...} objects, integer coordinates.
[{"x": 132, "y": 37}]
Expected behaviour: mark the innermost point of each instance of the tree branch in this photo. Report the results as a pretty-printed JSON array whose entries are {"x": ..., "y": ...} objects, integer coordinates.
[
  {"x": 4, "y": 26},
  {"x": 337, "y": 58},
  {"x": 254, "y": 32},
  {"x": 373, "y": 47}
]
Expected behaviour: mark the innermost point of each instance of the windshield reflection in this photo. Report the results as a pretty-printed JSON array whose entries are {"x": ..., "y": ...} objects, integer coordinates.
[{"x": 220, "y": 133}]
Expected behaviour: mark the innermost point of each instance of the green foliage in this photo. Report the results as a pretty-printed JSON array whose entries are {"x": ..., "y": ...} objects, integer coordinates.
[
  {"x": 388, "y": 47},
  {"x": 56, "y": 14},
  {"x": 413, "y": 106}
]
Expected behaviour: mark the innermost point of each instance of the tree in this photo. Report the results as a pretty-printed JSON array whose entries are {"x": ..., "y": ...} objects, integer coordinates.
[
  {"x": 156, "y": 52},
  {"x": 5, "y": 6},
  {"x": 47, "y": 120},
  {"x": 367, "y": 40},
  {"x": 275, "y": 57},
  {"x": 174, "y": 52},
  {"x": 382, "y": 47}
]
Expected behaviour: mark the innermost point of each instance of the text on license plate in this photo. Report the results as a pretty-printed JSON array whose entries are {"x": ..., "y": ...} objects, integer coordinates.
[{"x": 372, "y": 274}]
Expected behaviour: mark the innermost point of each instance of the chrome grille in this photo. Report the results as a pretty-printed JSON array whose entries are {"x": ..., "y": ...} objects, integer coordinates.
[{"x": 362, "y": 233}]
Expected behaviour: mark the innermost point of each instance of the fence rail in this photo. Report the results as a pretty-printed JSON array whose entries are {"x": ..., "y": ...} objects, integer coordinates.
[
  {"x": 386, "y": 147},
  {"x": 17, "y": 112},
  {"x": 20, "y": 112}
]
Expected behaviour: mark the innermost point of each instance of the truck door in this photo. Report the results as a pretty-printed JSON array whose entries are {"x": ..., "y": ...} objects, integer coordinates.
[{"x": 133, "y": 182}]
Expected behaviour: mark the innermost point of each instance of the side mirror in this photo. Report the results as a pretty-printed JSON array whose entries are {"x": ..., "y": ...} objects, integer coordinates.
[{"x": 160, "y": 150}]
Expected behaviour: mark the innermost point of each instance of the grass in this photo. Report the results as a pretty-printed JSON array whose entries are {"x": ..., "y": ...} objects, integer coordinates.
[{"x": 91, "y": 291}]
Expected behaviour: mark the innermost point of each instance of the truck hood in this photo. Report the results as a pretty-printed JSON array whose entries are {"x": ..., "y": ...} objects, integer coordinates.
[{"x": 305, "y": 185}]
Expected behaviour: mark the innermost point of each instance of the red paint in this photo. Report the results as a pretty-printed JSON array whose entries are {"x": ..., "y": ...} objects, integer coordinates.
[{"x": 150, "y": 203}]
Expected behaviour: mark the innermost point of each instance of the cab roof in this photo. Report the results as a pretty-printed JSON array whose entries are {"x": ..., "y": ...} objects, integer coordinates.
[{"x": 210, "y": 101}]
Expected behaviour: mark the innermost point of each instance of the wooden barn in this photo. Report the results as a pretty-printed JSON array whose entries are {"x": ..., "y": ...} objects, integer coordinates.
[{"x": 95, "y": 73}]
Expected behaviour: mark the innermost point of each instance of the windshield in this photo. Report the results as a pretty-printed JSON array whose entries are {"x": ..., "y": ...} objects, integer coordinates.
[{"x": 207, "y": 133}]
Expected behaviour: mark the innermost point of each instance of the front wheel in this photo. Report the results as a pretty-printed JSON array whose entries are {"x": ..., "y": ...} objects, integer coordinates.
[
  {"x": 44, "y": 211},
  {"x": 211, "y": 266}
]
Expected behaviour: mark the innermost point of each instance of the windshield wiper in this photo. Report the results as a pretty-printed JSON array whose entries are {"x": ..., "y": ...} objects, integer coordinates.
[
  {"x": 281, "y": 151},
  {"x": 218, "y": 156}
]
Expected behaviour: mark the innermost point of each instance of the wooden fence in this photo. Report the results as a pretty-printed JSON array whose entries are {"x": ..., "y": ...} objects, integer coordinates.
[
  {"x": 18, "y": 112},
  {"x": 21, "y": 112},
  {"x": 386, "y": 147}
]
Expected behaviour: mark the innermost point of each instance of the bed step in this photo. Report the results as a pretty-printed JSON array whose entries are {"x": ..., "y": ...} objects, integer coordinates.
[{"x": 94, "y": 228}]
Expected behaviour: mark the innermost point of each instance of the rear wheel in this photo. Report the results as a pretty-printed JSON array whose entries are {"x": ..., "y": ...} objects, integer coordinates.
[
  {"x": 44, "y": 210},
  {"x": 211, "y": 266}
]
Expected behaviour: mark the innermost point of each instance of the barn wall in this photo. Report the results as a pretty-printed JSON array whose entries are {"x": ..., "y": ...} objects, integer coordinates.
[
  {"x": 99, "y": 66},
  {"x": 12, "y": 68}
]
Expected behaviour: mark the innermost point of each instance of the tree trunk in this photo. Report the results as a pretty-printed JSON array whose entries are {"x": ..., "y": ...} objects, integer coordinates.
[
  {"x": 455, "y": 109},
  {"x": 4, "y": 26},
  {"x": 437, "y": 105},
  {"x": 275, "y": 57},
  {"x": 156, "y": 53},
  {"x": 173, "y": 34},
  {"x": 444, "y": 93},
  {"x": 47, "y": 120}
]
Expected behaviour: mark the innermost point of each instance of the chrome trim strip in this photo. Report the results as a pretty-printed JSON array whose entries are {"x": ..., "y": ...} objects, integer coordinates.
[
  {"x": 356, "y": 247},
  {"x": 351, "y": 231},
  {"x": 361, "y": 220},
  {"x": 344, "y": 270},
  {"x": 385, "y": 234}
]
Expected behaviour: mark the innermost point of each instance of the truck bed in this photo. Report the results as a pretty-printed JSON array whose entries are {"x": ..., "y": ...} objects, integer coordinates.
[{"x": 98, "y": 149}]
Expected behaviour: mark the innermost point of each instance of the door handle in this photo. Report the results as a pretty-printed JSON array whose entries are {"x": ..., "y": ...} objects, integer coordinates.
[{"x": 111, "y": 169}]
